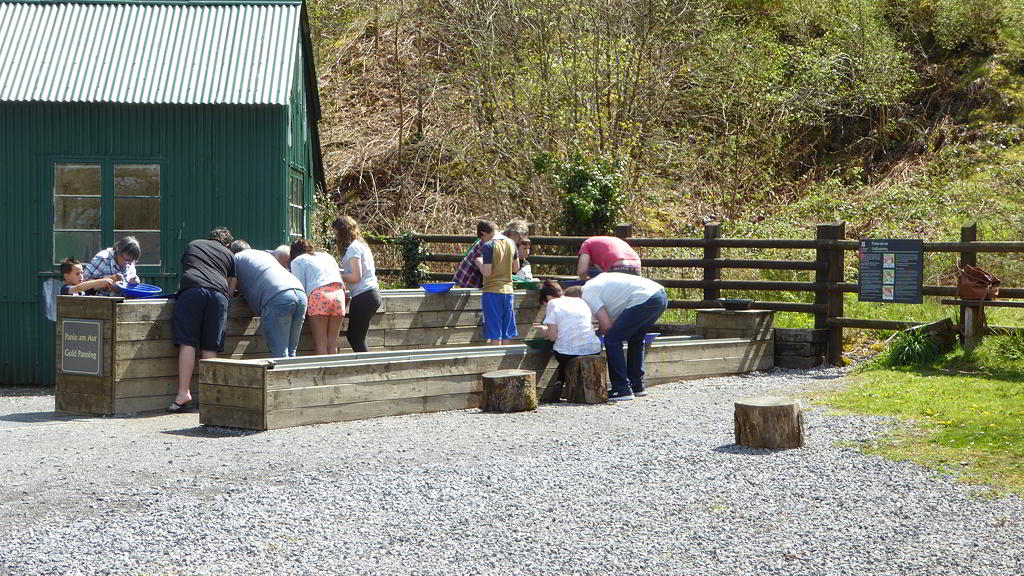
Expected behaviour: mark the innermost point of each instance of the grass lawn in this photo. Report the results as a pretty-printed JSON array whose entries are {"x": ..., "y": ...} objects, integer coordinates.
[{"x": 967, "y": 413}]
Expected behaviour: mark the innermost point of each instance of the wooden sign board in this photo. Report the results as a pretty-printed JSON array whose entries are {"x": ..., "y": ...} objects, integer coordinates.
[
  {"x": 82, "y": 347},
  {"x": 891, "y": 271}
]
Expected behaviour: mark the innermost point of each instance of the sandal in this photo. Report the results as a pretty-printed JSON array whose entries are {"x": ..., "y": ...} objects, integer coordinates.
[{"x": 175, "y": 407}]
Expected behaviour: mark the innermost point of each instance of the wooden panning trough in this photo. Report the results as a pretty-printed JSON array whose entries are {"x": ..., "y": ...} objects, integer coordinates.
[
  {"x": 264, "y": 395},
  {"x": 136, "y": 366}
]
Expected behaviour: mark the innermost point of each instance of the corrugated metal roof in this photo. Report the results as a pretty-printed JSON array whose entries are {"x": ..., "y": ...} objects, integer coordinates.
[{"x": 148, "y": 53}]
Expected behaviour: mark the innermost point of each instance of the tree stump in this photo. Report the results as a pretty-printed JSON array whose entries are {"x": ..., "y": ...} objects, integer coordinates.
[
  {"x": 586, "y": 380},
  {"x": 769, "y": 422},
  {"x": 509, "y": 391}
]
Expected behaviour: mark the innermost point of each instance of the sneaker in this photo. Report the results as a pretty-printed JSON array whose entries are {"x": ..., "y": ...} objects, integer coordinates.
[
  {"x": 619, "y": 395},
  {"x": 640, "y": 390}
]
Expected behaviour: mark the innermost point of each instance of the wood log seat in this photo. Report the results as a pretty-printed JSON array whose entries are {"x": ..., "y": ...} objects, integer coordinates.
[
  {"x": 586, "y": 380},
  {"x": 768, "y": 422},
  {"x": 510, "y": 390}
]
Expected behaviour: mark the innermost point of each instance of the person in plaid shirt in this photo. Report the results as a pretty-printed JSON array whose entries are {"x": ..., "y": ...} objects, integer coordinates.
[
  {"x": 116, "y": 263},
  {"x": 467, "y": 275}
]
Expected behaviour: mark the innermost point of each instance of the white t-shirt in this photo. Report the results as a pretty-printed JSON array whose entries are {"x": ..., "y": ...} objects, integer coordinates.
[
  {"x": 316, "y": 270},
  {"x": 616, "y": 291},
  {"x": 368, "y": 281},
  {"x": 575, "y": 326},
  {"x": 524, "y": 271}
]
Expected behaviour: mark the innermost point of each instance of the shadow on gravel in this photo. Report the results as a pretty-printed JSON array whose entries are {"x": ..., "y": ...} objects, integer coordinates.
[
  {"x": 742, "y": 450},
  {"x": 37, "y": 417},
  {"x": 26, "y": 391},
  {"x": 211, "y": 432}
]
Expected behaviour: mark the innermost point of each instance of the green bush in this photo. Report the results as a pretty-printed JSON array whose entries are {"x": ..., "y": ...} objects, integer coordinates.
[
  {"x": 970, "y": 24},
  {"x": 1011, "y": 34},
  {"x": 414, "y": 269},
  {"x": 591, "y": 195},
  {"x": 910, "y": 349},
  {"x": 1004, "y": 349}
]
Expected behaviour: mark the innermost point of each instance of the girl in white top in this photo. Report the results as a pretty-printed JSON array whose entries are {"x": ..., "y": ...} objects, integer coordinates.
[
  {"x": 360, "y": 275},
  {"x": 569, "y": 323},
  {"x": 321, "y": 279}
]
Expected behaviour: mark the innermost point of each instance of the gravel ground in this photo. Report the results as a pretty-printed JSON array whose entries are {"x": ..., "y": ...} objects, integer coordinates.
[{"x": 652, "y": 486}]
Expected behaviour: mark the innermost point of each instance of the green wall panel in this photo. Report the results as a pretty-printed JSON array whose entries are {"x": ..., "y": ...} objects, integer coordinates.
[{"x": 220, "y": 166}]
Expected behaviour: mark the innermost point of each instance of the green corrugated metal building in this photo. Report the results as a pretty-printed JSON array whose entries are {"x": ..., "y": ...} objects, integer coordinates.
[{"x": 157, "y": 119}]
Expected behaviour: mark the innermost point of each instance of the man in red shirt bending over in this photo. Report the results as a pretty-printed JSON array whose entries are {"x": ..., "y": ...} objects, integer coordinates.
[{"x": 606, "y": 254}]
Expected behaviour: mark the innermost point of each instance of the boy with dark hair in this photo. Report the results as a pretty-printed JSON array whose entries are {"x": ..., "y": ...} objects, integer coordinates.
[
  {"x": 498, "y": 261},
  {"x": 73, "y": 273}
]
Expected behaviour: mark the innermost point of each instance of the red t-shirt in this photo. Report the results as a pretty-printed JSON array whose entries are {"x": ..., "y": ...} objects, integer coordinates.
[{"x": 605, "y": 251}]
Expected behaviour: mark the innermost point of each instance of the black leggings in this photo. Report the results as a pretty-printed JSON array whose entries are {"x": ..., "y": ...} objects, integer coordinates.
[
  {"x": 360, "y": 312},
  {"x": 562, "y": 359}
]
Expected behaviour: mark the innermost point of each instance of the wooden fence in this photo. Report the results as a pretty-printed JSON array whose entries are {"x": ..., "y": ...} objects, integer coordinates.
[{"x": 830, "y": 246}]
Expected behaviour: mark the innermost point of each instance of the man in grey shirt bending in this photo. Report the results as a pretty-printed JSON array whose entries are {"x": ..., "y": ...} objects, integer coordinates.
[
  {"x": 275, "y": 293},
  {"x": 626, "y": 307}
]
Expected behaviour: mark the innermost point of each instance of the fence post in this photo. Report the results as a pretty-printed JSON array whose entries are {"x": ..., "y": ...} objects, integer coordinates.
[
  {"x": 623, "y": 231},
  {"x": 968, "y": 233},
  {"x": 712, "y": 231},
  {"x": 829, "y": 274}
]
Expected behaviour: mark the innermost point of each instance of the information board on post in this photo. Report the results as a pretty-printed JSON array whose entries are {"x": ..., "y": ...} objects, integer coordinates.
[
  {"x": 891, "y": 271},
  {"x": 82, "y": 347}
]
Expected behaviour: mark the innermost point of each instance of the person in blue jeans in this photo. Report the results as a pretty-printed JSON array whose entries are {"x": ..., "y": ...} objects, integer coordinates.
[
  {"x": 626, "y": 307},
  {"x": 278, "y": 296}
]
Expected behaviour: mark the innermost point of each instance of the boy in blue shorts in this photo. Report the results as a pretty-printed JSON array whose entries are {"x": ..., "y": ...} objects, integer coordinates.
[{"x": 498, "y": 261}]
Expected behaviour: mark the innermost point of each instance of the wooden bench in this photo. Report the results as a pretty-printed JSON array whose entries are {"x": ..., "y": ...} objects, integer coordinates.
[{"x": 974, "y": 317}]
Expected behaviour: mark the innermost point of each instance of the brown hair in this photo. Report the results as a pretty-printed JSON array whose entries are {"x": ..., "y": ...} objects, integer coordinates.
[
  {"x": 300, "y": 247},
  {"x": 574, "y": 291},
  {"x": 485, "y": 227},
  {"x": 346, "y": 231},
  {"x": 550, "y": 290},
  {"x": 68, "y": 264}
]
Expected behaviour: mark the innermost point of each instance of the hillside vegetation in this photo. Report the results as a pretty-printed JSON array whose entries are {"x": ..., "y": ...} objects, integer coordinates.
[{"x": 902, "y": 117}]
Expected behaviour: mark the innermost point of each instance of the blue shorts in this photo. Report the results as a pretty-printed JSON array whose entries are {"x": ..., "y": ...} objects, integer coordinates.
[
  {"x": 499, "y": 316},
  {"x": 199, "y": 318}
]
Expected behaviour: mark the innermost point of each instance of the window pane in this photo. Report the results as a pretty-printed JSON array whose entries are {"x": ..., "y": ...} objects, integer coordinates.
[
  {"x": 137, "y": 213},
  {"x": 295, "y": 217},
  {"x": 80, "y": 245},
  {"x": 296, "y": 191},
  {"x": 148, "y": 240},
  {"x": 137, "y": 180},
  {"x": 76, "y": 213},
  {"x": 77, "y": 180}
]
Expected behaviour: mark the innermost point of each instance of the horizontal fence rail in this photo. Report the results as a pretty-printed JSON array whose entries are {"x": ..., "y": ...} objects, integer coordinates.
[
  {"x": 828, "y": 267},
  {"x": 807, "y": 244}
]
